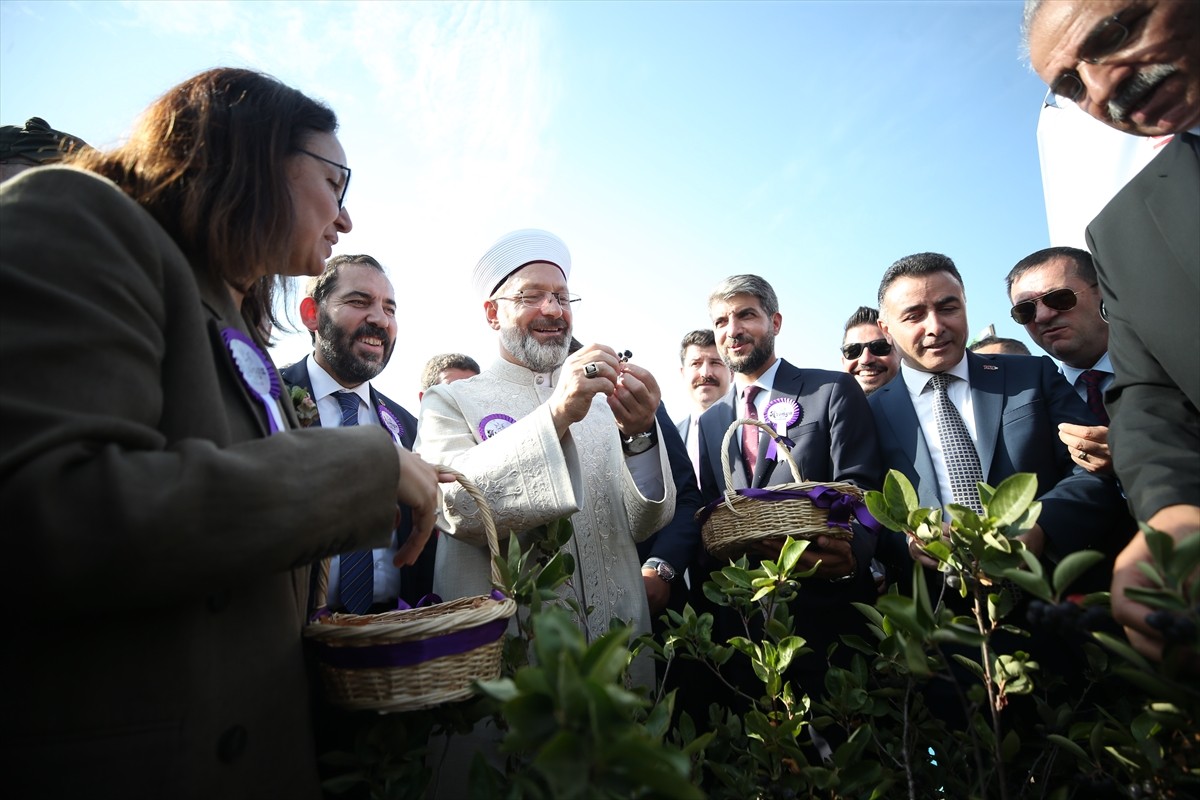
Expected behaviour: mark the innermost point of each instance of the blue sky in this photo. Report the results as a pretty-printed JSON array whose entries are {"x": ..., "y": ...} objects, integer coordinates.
[{"x": 670, "y": 144}]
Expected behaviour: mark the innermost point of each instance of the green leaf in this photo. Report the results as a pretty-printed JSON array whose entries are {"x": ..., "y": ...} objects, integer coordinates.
[
  {"x": 1070, "y": 747},
  {"x": 1074, "y": 565},
  {"x": 880, "y": 510},
  {"x": 1030, "y": 583},
  {"x": 1012, "y": 498},
  {"x": 899, "y": 493}
]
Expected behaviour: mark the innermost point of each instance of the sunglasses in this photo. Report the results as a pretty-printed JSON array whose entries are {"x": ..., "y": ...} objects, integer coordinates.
[
  {"x": 1059, "y": 300},
  {"x": 878, "y": 348}
]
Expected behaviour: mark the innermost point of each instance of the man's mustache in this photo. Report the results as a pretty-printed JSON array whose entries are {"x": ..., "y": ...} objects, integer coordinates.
[
  {"x": 706, "y": 380},
  {"x": 1137, "y": 88}
]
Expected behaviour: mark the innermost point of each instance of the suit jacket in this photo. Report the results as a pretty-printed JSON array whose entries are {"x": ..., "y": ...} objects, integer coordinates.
[
  {"x": 163, "y": 536},
  {"x": 1019, "y": 402},
  {"x": 1147, "y": 247},
  {"x": 416, "y": 580},
  {"x": 683, "y": 426}
]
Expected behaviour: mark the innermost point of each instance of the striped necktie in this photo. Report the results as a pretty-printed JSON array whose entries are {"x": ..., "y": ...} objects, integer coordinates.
[{"x": 356, "y": 577}]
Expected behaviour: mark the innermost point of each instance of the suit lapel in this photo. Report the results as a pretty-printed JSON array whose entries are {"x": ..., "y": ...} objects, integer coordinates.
[
  {"x": 223, "y": 314},
  {"x": 987, "y": 397},
  {"x": 788, "y": 383},
  {"x": 901, "y": 418},
  {"x": 297, "y": 375},
  {"x": 1167, "y": 200},
  {"x": 713, "y": 425}
]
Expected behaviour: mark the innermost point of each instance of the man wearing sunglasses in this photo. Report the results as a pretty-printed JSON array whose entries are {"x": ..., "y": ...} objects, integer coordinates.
[
  {"x": 1135, "y": 66},
  {"x": 1055, "y": 296},
  {"x": 867, "y": 353}
]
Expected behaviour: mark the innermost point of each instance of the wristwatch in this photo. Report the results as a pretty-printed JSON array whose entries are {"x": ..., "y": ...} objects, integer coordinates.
[
  {"x": 664, "y": 570},
  {"x": 640, "y": 442}
]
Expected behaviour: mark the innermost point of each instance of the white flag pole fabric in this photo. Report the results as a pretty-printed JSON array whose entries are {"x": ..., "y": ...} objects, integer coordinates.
[{"x": 1084, "y": 163}]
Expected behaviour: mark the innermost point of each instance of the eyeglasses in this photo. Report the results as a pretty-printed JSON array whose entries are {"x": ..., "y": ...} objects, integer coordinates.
[
  {"x": 536, "y": 298},
  {"x": 342, "y": 167},
  {"x": 1105, "y": 40},
  {"x": 1058, "y": 299},
  {"x": 878, "y": 348}
]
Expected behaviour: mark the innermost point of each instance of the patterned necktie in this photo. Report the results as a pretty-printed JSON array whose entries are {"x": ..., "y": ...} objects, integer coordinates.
[
  {"x": 962, "y": 460},
  {"x": 1095, "y": 398},
  {"x": 750, "y": 432},
  {"x": 356, "y": 579}
]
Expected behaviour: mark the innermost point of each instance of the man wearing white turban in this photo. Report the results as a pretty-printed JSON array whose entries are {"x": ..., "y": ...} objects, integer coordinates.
[{"x": 547, "y": 435}]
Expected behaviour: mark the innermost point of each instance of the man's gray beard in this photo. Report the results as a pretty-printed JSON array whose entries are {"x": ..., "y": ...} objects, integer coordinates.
[
  {"x": 754, "y": 360},
  {"x": 537, "y": 356}
]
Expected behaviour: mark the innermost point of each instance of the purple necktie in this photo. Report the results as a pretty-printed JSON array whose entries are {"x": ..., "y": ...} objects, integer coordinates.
[
  {"x": 1095, "y": 398},
  {"x": 750, "y": 432}
]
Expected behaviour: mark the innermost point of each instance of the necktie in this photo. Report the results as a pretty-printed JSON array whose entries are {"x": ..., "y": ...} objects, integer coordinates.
[
  {"x": 749, "y": 432},
  {"x": 1095, "y": 398},
  {"x": 962, "y": 460},
  {"x": 356, "y": 579}
]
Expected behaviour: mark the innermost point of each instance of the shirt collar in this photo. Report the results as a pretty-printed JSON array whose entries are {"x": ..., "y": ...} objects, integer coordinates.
[
  {"x": 764, "y": 381},
  {"x": 917, "y": 379},
  {"x": 323, "y": 383},
  {"x": 1104, "y": 364}
]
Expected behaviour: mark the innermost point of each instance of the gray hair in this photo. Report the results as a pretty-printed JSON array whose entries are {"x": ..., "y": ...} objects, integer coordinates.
[
  {"x": 746, "y": 284},
  {"x": 1032, "y": 7}
]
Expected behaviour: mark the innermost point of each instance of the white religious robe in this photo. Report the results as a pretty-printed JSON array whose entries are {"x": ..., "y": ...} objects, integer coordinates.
[{"x": 531, "y": 477}]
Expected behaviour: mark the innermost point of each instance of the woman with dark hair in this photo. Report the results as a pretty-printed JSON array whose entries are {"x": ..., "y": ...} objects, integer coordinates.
[{"x": 159, "y": 511}]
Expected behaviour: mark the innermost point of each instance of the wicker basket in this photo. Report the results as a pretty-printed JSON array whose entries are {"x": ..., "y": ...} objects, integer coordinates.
[
  {"x": 382, "y": 662},
  {"x": 739, "y": 521}
]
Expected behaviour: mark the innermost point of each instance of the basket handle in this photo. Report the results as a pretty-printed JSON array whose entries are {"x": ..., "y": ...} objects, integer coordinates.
[
  {"x": 485, "y": 511},
  {"x": 737, "y": 423}
]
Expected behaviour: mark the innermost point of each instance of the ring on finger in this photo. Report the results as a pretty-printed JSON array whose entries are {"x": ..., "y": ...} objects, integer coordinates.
[
  {"x": 590, "y": 369},
  {"x": 1082, "y": 455}
]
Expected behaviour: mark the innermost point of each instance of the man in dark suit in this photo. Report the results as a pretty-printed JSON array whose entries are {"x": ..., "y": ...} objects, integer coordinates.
[
  {"x": 1011, "y": 407},
  {"x": 826, "y": 415},
  {"x": 1137, "y": 68},
  {"x": 350, "y": 310}
]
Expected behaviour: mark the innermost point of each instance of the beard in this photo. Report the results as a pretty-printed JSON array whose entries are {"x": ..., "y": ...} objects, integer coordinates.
[
  {"x": 537, "y": 356},
  {"x": 336, "y": 347},
  {"x": 755, "y": 359}
]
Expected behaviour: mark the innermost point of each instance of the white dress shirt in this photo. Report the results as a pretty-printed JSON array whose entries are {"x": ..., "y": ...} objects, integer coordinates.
[
  {"x": 959, "y": 392},
  {"x": 764, "y": 382},
  {"x": 387, "y": 575}
]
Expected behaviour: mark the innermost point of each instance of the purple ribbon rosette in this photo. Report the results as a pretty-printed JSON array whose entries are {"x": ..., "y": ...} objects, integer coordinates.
[
  {"x": 781, "y": 414},
  {"x": 257, "y": 373},
  {"x": 389, "y": 420}
]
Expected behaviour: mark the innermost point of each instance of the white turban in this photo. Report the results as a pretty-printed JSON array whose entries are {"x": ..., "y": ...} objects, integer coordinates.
[{"x": 515, "y": 250}]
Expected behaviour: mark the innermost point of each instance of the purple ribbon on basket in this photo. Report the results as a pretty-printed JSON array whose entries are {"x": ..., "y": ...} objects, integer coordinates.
[
  {"x": 406, "y": 654},
  {"x": 841, "y": 506}
]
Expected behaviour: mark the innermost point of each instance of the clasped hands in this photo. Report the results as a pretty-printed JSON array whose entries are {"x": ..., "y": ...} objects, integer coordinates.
[{"x": 632, "y": 392}]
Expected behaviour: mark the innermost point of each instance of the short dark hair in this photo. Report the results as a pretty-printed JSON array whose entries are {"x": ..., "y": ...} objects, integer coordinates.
[
  {"x": 1085, "y": 268},
  {"x": 747, "y": 284},
  {"x": 864, "y": 316},
  {"x": 702, "y": 337},
  {"x": 320, "y": 287},
  {"x": 444, "y": 361},
  {"x": 1011, "y": 346},
  {"x": 917, "y": 265}
]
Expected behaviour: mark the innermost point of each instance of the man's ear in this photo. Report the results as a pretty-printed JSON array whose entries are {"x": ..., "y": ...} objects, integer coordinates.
[
  {"x": 491, "y": 310},
  {"x": 308, "y": 313},
  {"x": 776, "y": 322}
]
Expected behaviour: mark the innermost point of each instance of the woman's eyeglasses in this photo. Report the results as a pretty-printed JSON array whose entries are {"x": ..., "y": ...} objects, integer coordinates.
[
  {"x": 342, "y": 167},
  {"x": 1059, "y": 300},
  {"x": 879, "y": 348}
]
